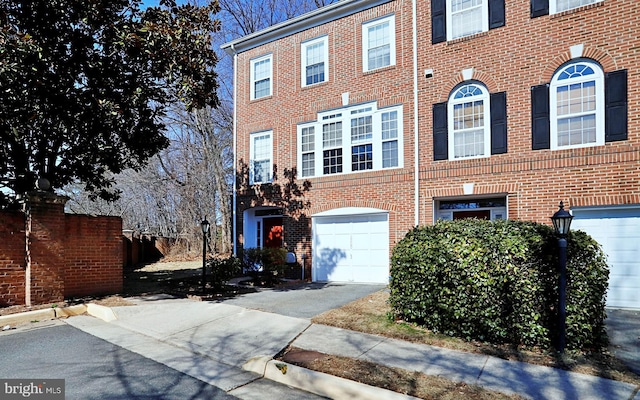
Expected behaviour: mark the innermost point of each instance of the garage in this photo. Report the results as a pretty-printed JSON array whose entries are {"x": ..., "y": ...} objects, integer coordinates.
[
  {"x": 617, "y": 229},
  {"x": 351, "y": 245}
]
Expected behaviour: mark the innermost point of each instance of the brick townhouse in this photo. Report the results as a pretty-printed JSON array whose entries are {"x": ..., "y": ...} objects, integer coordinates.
[{"x": 359, "y": 120}]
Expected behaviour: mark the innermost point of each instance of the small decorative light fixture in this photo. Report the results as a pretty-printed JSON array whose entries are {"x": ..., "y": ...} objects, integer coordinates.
[
  {"x": 205, "y": 226},
  {"x": 562, "y": 221}
]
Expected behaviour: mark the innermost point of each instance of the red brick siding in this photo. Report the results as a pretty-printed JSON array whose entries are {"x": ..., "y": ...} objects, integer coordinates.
[
  {"x": 513, "y": 58},
  {"x": 94, "y": 257},
  {"x": 523, "y": 53},
  {"x": 12, "y": 258}
]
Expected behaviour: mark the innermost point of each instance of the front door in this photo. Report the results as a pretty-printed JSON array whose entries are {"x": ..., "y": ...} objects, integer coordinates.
[{"x": 272, "y": 232}]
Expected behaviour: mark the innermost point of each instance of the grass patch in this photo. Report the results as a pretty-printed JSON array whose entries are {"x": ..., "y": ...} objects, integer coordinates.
[{"x": 369, "y": 315}]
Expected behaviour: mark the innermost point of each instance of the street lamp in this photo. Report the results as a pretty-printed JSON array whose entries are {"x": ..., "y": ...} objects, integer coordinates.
[
  {"x": 205, "y": 229},
  {"x": 561, "y": 223}
]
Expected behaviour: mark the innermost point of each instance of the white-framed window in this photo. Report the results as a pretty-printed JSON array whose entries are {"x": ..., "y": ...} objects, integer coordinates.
[
  {"x": 379, "y": 43},
  {"x": 466, "y": 17},
  {"x": 469, "y": 122},
  {"x": 261, "y": 77},
  {"x": 261, "y": 157},
  {"x": 576, "y": 98},
  {"x": 488, "y": 208},
  {"x": 557, "y": 6},
  {"x": 315, "y": 61},
  {"x": 352, "y": 139}
]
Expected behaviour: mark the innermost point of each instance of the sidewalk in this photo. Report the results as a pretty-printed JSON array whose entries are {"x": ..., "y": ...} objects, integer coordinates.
[{"x": 229, "y": 346}]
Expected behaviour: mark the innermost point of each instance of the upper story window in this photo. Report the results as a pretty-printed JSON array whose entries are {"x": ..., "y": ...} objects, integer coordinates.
[
  {"x": 546, "y": 7},
  {"x": 359, "y": 138},
  {"x": 315, "y": 56},
  {"x": 577, "y": 106},
  {"x": 472, "y": 124},
  {"x": 452, "y": 19},
  {"x": 261, "y": 77},
  {"x": 557, "y": 6},
  {"x": 379, "y": 43},
  {"x": 260, "y": 156},
  {"x": 469, "y": 128},
  {"x": 466, "y": 17}
]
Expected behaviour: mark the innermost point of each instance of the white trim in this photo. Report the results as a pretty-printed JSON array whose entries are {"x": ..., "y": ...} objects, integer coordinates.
[
  {"x": 391, "y": 20},
  {"x": 598, "y": 77},
  {"x": 553, "y": 6},
  {"x": 484, "y": 15},
  {"x": 344, "y": 117},
  {"x": 346, "y": 211},
  {"x": 303, "y": 59},
  {"x": 252, "y": 138},
  {"x": 486, "y": 120},
  {"x": 252, "y": 78}
]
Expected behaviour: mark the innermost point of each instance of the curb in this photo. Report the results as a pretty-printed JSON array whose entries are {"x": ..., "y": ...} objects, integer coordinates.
[
  {"x": 318, "y": 383},
  {"x": 41, "y": 315}
]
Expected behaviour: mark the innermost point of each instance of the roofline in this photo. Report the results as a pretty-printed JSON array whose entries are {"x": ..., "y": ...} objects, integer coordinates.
[{"x": 309, "y": 20}]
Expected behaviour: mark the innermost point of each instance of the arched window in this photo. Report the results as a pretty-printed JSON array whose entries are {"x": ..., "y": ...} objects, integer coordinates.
[
  {"x": 577, "y": 106},
  {"x": 469, "y": 122}
]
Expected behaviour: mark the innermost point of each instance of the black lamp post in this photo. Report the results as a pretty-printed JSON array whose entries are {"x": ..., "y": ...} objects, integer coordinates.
[
  {"x": 561, "y": 223},
  {"x": 205, "y": 229}
]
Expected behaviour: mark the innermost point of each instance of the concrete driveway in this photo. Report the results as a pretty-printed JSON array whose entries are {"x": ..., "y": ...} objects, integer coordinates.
[
  {"x": 305, "y": 300},
  {"x": 623, "y": 328}
]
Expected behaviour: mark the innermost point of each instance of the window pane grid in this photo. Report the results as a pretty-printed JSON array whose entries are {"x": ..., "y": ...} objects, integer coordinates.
[
  {"x": 466, "y": 17},
  {"x": 468, "y": 115},
  {"x": 308, "y": 139},
  {"x": 576, "y": 98},
  {"x": 332, "y": 135},
  {"x": 390, "y": 154},
  {"x": 390, "y": 125},
  {"x": 332, "y": 161},
  {"x": 379, "y": 46},
  {"x": 468, "y": 144},
  {"x": 361, "y": 157},
  {"x": 308, "y": 164},
  {"x": 361, "y": 129},
  {"x": 261, "y": 158},
  {"x": 315, "y": 73},
  {"x": 577, "y": 130}
]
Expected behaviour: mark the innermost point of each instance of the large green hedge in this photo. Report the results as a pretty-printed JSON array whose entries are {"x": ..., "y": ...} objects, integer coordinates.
[{"x": 498, "y": 282}]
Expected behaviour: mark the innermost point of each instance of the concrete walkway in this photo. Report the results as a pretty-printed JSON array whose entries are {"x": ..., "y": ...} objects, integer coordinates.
[{"x": 231, "y": 347}]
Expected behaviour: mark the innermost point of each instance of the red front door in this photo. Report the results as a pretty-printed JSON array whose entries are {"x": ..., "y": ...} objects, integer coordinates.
[{"x": 272, "y": 236}]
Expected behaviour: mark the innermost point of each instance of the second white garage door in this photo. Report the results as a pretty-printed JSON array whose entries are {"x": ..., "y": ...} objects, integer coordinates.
[
  {"x": 618, "y": 231},
  {"x": 351, "y": 245}
]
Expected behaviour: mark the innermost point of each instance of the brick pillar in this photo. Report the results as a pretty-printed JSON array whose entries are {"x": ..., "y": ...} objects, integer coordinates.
[{"x": 45, "y": 236}]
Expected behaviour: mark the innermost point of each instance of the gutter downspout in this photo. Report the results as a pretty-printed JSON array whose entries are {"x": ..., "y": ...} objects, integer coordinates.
[
  {"x": 416, "y": 147},
  {"x": 235, "y": 155}
]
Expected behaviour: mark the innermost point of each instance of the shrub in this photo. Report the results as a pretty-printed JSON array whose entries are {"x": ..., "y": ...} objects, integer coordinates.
[
  {"x": 498, "y": 282},
  {"x": 266, "y": 263},
  {"x": 223, "y": 269}
]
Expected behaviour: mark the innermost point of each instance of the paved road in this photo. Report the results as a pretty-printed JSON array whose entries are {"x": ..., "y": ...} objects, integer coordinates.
[
  {"x": 93, "y": 368},
  {"x": 304, "y": 301},
  {"x": 96, "y": 369}
]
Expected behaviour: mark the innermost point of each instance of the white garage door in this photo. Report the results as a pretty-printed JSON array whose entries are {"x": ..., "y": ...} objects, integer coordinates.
[
  {"x": 618, "y": 231},
  {"x": 351, "y": 245}
]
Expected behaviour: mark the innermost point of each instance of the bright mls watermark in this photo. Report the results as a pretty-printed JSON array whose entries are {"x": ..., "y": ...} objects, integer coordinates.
[{"x": 49, "y": 389}]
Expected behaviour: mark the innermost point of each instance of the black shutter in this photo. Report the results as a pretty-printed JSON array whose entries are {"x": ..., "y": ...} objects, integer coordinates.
[
  {"x": 440, "y": 134},
  {"x": 615, "y": 99},
  {"x": 539, "y": 8},
  {"x": 496, "y": 13},
  {"x": 498, "y": 123},
  {"x": 540, "y": 126},
  {"x": 438, "y": 21}
]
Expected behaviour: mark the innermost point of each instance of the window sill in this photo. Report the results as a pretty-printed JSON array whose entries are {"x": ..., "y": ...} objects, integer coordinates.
[
  {"x": 314, "y": 85},
  {"x": 466, "y": 38},
  {"x": 381, "y": 69},
  {"x": 576, "y": 10},
  {"x": 261, "y": 99}
]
